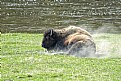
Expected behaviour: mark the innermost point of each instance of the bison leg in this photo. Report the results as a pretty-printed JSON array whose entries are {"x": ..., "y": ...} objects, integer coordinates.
[{"x": 85, "y": 48}]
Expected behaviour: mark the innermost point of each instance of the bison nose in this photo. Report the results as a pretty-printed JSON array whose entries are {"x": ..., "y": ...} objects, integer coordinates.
[{"x": 43, "y": 45}]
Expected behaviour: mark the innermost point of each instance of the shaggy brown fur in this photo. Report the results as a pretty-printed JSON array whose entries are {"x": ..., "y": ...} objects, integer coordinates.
[
  {"x": 71, "y": 30},
  {"x": 71, "y": 39}
]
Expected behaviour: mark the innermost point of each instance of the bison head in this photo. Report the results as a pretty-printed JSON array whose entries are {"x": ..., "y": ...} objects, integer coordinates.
[{"x": 49, "y": 39}]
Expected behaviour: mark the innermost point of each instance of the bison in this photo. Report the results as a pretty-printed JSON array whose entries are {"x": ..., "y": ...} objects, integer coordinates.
[{"x": 71, "y": 40}]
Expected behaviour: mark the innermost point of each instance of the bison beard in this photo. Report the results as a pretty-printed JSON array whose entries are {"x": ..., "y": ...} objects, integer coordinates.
[{"x": 59, "y": 40}]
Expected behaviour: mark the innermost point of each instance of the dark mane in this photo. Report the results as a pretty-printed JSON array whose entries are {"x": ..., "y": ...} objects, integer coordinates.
[{"x": 50, "y": 40}]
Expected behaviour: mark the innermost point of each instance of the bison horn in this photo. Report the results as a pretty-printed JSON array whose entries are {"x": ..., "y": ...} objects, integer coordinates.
[{"x": 51, "y": 32}]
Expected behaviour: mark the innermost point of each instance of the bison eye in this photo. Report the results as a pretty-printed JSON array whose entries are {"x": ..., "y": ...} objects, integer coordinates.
[
  {"x": 50, "y": 38},
  {"x": 47, "y": 37}
]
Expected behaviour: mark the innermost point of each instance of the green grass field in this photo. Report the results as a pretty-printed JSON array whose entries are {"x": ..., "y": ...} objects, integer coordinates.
[{"x": 22, "y": 60}]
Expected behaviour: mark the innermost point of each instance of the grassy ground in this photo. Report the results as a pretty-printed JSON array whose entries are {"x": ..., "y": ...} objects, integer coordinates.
[{"x": 22, "y": 60}]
